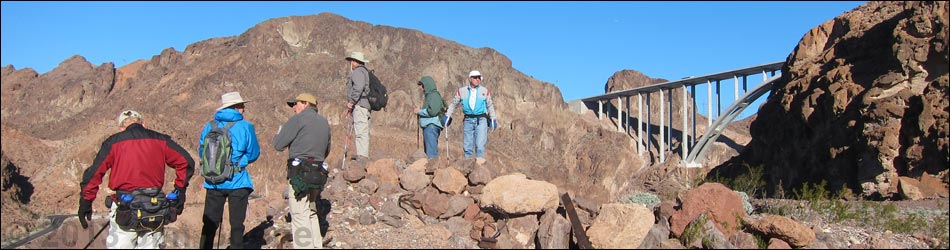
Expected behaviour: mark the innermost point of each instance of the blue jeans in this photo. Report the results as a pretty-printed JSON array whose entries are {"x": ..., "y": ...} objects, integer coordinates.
[
  {"x": 475, "y": 131},
  {"x": 430, "y": 135}
]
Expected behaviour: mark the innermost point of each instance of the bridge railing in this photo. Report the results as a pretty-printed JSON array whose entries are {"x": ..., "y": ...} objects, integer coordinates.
[{"x": 713, "y": 83}]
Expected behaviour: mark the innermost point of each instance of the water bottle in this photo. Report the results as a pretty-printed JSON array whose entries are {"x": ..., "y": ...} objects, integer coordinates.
[
  {"x": 125, "y": 198},
  {"x": 172, "y": 196}
]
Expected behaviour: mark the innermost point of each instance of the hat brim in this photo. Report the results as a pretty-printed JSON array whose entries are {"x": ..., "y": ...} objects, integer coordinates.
[
  {"x": 226, "y": 105},
  {"x": 354, "y": 59}
]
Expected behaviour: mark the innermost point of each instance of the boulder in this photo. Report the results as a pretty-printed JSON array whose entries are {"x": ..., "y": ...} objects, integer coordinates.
[
  {"x": 632, "y": 221},
  {"x": 793, "y": 232},
  {"x": 516, "y": 194},
  {"x": 724, "y": 206}
]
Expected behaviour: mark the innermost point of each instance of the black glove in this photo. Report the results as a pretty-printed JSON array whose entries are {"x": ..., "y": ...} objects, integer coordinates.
[
  {"x": 181, "y": 198},
  {"x": 85, "y": 212}
]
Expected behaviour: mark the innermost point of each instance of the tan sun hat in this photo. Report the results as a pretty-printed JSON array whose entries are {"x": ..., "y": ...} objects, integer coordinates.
[
  {"x": 229, "y": 99},
  {"x": 306, "y": 97},
  {"x": 358, "y": 56},
  {"x": 127, "y": 114}
]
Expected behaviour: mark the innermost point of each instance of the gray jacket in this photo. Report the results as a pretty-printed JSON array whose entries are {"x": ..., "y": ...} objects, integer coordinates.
[
  {"x": 358, "y": 87},
  {"x": 307, "y": 134}
]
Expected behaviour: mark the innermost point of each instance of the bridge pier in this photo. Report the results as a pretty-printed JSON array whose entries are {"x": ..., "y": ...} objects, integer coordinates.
[
  {"x": 640, "y": 145},
  {"x": 600, "y": 110},
  {"x": 735, "y": 81},
  {"x": 626, "y": 118},
  {"x": 619, "y": 112},
  {"x": 649, "y": 121},
  {"x": 684, "y": 143},
  {"x": 662, "y": 130},
  {"x": 709, "y": 113}
]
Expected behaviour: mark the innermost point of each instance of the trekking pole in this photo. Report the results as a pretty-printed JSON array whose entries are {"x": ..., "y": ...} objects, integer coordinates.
[
  {"x": 96, "y": 236},
  {"x": 446, "y": 141}
]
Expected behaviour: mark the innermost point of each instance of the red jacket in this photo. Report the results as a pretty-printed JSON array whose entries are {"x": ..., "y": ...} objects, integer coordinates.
[{"x": 137, "y": 157}]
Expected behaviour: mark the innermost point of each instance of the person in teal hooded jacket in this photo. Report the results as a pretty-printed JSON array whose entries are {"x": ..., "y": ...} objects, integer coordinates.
[
  {"x": 244, "y": 151},
  {"x": 430, "y": 116}
]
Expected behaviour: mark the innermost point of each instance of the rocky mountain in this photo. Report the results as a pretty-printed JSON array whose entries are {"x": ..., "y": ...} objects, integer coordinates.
[
  {"x": 53, "y": 123},
  {"x": 862, "y": 104}
]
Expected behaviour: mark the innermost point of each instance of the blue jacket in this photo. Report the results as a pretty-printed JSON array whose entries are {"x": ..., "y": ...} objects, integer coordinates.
[{"x": 244, "y": 147}]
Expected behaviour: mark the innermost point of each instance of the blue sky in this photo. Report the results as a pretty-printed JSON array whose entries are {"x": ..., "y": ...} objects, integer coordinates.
[{"x": 574, "y": 45}]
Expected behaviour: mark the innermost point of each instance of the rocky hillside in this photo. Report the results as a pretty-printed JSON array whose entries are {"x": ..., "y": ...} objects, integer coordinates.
[
  {"x": 67, "y": 112},
  {"x": 863, "y": 104}
]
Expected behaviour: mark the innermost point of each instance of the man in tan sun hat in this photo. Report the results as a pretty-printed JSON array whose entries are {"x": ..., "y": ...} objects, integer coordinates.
[
  {"x": 307, "y": 134},
  {"x": 357, "y": 104},
  {"x": 236, "y": 190}
]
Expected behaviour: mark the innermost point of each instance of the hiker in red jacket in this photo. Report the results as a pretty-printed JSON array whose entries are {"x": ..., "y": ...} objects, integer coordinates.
[{"x": 136, "y": 158}]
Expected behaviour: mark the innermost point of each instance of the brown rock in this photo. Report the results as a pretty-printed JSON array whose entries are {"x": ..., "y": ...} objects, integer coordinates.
[
  {"x": 385, "y": 169},
  {"x": 908, "y": 188},
  {"x": 554, "y": 231},
  {"x": 516, "y": 194},
  {"x": 449, "y": 180},
  {"x": 862, "y": 98},
  {"x": 788, "y": 230},
  {"x": 413, "y": 179},
  {"x": 775, "y": 243},
  {"x": 523, "y": 229},
  {"x": 724, "y": 206},
  {"x": 743, "y": 240},
  {"x": 633, "y": 221}
]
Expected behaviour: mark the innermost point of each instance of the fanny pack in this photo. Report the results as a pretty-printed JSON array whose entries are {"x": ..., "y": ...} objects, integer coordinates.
[
  {"x": 144, "y": 209},
  {"x": 307, "y": 177}
]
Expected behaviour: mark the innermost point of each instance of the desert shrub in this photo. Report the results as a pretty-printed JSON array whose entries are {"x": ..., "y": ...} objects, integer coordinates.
[
  {"x": 693, "y": 231},
  {"x": 648, "y": 200},
  {"x": 752, "y": 181}
]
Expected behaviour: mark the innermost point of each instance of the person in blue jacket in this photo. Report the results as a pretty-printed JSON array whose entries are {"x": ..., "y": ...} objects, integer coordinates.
[{"x": 244, "y": 151}]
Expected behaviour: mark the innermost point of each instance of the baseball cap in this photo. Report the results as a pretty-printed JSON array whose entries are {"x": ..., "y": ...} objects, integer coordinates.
[{"x": 127, "y": 114}]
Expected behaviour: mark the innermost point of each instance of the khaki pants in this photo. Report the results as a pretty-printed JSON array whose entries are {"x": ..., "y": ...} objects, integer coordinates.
[
  {"x": 305, "y": 224},
  {"x": 361, "y": 118},
  {"x": 121, "y": 239}
]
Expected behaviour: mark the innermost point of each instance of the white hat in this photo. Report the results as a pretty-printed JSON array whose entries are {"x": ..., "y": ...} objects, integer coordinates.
[
  {"x": 229, "y": 99},
  {"x": 357, "y": 56},
  {"x": 127, "y": 114},
  {"x": 474, "y": 73}
]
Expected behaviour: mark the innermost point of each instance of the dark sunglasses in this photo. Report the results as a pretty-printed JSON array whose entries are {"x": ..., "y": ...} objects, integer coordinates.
[{"x": 477, "y": 77}]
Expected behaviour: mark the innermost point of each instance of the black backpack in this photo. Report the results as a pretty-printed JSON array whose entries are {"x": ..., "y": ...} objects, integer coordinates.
[
  {"x": 216, "y": 166},
  {"x": 378, "y": 96}
]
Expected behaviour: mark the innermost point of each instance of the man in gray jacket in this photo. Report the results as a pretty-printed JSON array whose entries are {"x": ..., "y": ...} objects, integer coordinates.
[
  {"x": 307, "y": 134},
  {"x": 357, "y": 105}
]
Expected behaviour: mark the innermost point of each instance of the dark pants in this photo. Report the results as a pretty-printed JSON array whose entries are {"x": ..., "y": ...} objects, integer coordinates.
[{"x": 214, "y": 207}]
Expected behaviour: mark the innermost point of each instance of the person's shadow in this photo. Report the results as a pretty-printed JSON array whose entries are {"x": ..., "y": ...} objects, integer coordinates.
[{"x": 254, "y": 239}]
